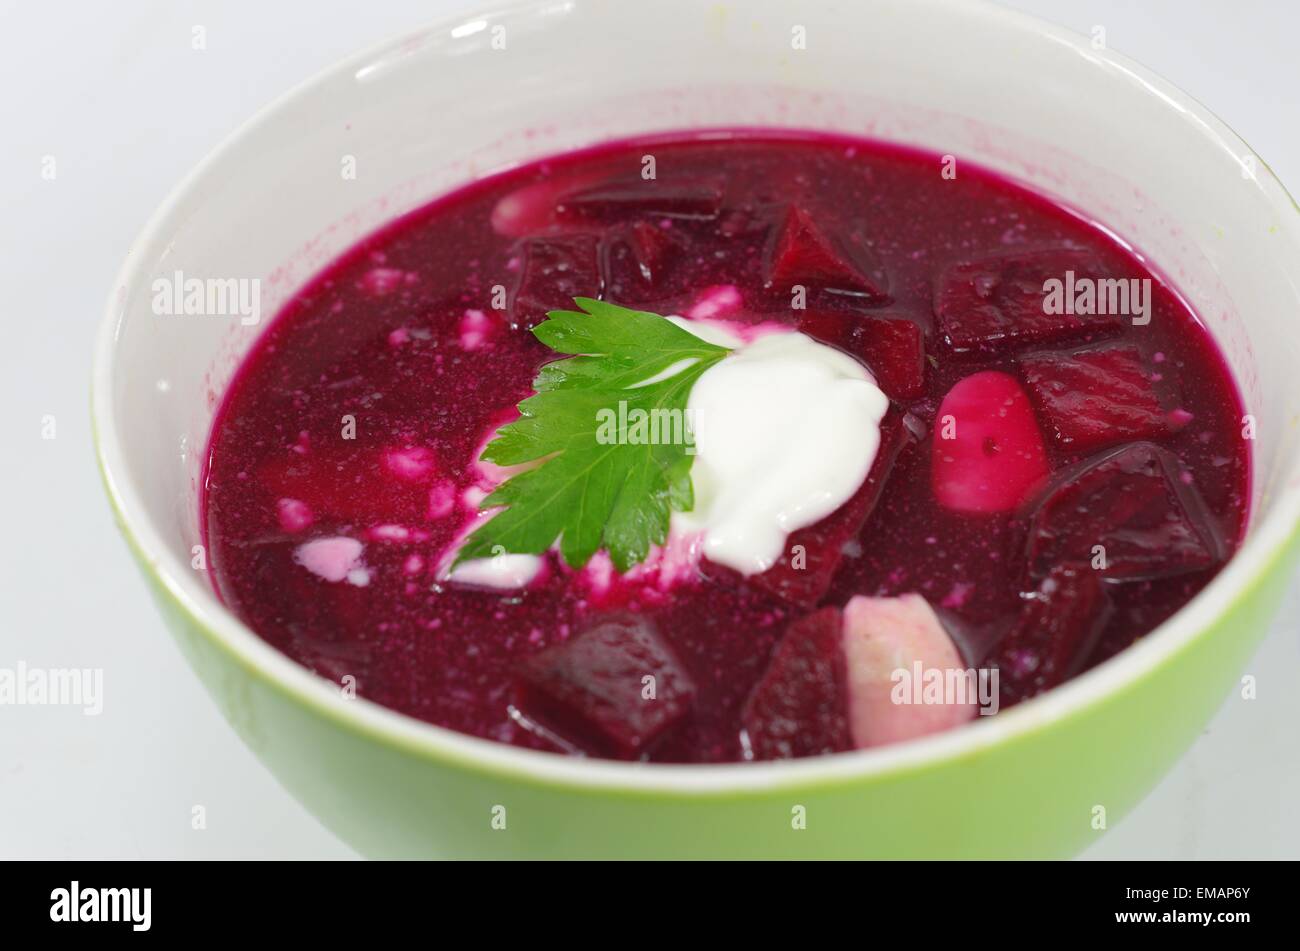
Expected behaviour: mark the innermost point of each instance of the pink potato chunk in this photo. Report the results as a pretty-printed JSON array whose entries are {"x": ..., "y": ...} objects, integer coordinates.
[
  {"x": 988, "y": 452},
  {"x": 884, "y": 640}
]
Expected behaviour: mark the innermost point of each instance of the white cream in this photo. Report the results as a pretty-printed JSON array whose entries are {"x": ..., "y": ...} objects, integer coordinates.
[
  {"x": 714, "y": 332},
  {"x": 502, "y": 572},
  {"x": 786, "y": 430}
]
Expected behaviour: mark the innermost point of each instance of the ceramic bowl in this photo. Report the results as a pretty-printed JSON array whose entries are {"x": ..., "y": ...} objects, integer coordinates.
[{"x": 417, "y": 116}]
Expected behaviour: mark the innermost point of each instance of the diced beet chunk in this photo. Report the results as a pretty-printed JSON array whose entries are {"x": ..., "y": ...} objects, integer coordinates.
[
  {"x": 822, "y": 545},
  {"x": 894, "y": 350},
  {"x": 987, "y": 454},
  {"x": 800, "y": 252},
  {"x": 651, "y": 247},
  {"x": 892, "y": 347},
  {"x": 530, "y": 209},
  {"x": 592, "y": 689},
  {"x": 1056, "y": 632},
  {"x": 1000, "y": 303},
  {"x": 883, "y": 636},
  {"x": 637, "y": 257},
  {"x": 803, "y": 573},
  {"x": 555, "y": 270},
  {"x": 800, "y": 707},
  {"x": 828, "y": 326},
  {"x": 1095, "y": 397},
  {"x": 1132, "y": 502},
  {"x": 607, "y": 203}
]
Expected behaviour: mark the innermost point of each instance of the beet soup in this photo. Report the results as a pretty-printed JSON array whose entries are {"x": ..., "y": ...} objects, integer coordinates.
[{"x": 940, "y": 425}]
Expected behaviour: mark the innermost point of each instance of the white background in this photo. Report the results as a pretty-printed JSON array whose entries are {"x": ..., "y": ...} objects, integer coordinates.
[{"x": 116, "y": 94}]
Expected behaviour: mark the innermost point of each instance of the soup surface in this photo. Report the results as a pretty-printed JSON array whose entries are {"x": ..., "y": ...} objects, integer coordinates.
[{"x": 1060, "y": 467}]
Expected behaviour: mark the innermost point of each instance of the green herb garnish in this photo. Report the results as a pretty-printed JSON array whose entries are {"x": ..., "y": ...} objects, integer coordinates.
[{"x": 615, "y": 451}]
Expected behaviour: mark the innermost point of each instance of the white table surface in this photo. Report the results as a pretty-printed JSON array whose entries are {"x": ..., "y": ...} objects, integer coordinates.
[{"x": 116, "y": 94}]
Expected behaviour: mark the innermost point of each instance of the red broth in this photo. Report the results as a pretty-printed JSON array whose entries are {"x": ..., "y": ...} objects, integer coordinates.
[{"x": 357, "y": 418}]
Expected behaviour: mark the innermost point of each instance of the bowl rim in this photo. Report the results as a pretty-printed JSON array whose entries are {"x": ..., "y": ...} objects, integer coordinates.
[{"x": 1267, "y": 544}]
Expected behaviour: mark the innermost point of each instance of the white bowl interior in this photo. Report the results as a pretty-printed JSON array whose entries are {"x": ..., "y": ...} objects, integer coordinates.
[{"x": 423, "y": 114}]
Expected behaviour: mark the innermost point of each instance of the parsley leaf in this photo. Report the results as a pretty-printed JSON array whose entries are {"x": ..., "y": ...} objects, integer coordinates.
[{"x": 585, "y": 488}]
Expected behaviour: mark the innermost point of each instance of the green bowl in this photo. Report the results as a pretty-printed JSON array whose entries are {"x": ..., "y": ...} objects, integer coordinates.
[{"x": 422, "y": 114}]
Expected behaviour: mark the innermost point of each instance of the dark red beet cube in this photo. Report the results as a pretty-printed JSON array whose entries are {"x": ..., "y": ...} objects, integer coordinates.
[
  {"x": 892, "y": 347},
  {"x": 834, "y": 327},
  {"x": 800, "y": 252},
  {"x": 555, "y": 270},
  {"x": 1000, "y": 303},
  {"x": 637, "y": 257},
  {"x": 593, "y": 689},
  {"x": 804, "y": 580},
  {"x": 812, "y": 555},
  {"x": 693, "y": 200},
  {"x": 800, "y": 707},
  {"x": 894, "y": 350},
  {"x": 1135, "y": 504},
  {"x": 1054, "y": 636},
  {"x": 1096, "y": 397},
  {"x": 651, "y": 247}
]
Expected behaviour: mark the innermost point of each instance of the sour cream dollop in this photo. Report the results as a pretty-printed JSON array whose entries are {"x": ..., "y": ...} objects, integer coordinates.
[{"x": 786, "y": 430}]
